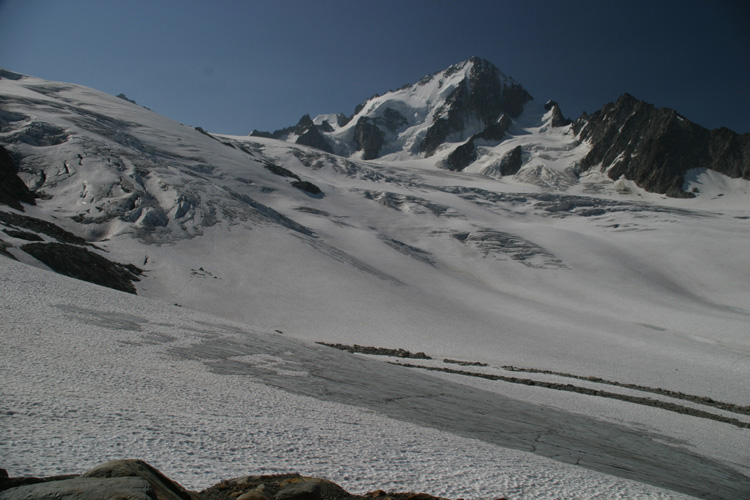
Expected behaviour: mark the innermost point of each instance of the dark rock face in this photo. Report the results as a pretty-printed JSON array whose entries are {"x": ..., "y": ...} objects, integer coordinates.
[
  {"x": 484, "y": 95},
  {"x": 307, "y": 187},
  {"x": 558, "y": 120},
  {"x": 313, "y": 138},
  {"x": 495, "y": 131},
  {"x": 466, "y": 153},
  {"x": 83, "y": 264},
  {"x": 369, "y": 135},
  {"x": 393, "y": 120},
  {"x": 377, "y": 351},
  {"x": 125, "y": 98},
  {"x": 511, "y": 163},
  {"x": 23, "y": 235},
  {"x": 656, "y": 147},
  {"x": 281, "y": 171},
  {"x": 368, "y": 138},
  {"x": 308, "y": 134},
  {"x": 13, "y": 191},
  {"x": 462, "y": 156}
]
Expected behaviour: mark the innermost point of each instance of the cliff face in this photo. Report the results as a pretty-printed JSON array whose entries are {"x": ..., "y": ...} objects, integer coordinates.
[{"x": 655, "y": 147}]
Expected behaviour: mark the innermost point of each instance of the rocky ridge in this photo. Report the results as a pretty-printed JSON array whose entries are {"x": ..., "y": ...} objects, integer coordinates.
[
  {"x": 655, "y": 147},
  {"x": 137, "y": 480}
]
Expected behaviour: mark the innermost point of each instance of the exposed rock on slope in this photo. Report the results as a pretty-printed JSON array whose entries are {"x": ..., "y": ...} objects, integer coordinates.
[
  {"x": 13, "y": 191},
  {"x": 464, "y": 155},
  {"x": 137, "y": 480},
  {"x": 305, "y": 133},
  {"x": 655, "y": 147},
  {"x": 65, "y": 253},
  {"x": 83, "y": 264}
]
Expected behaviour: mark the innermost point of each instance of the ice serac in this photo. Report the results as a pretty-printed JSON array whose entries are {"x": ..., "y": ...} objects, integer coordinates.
[{"x": 655, "y": 147}]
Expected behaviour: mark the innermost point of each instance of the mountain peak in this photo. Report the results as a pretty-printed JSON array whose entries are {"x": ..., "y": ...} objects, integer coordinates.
[{"x": 451, "y": 105}]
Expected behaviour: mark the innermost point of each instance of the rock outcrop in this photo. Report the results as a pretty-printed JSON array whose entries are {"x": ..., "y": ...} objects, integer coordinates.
[
  {"x": 465, "y": 154},
  {"x": 558, "y": 120},
  {"x": 13, "y": 191},
  {"x": 509, "y": 164},
  {"x": 65, "y": 253},
  {"x": 655, "y": 147},
  {"x": 368, "y": 138},
  {"x": 305, "y": 133},
  {"x": 137, "y": 480}
]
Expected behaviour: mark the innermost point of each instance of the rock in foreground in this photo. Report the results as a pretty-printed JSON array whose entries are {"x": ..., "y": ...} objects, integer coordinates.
[{"x": 137, "y": 480}]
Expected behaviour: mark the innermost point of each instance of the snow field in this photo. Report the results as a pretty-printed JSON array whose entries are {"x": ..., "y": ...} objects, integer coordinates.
[{"x": 87, "y": 379}]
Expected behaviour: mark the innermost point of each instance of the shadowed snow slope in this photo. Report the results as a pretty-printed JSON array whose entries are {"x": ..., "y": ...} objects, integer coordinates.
[{"x": 577, "y": 280}]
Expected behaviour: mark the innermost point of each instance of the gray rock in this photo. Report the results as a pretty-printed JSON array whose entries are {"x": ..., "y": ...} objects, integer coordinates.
[
  {"x": 122, "y": 488},
  {"x": 301, "y": 490},
  {"x": 163, "y": 487},
  {"x": 314, "y": 138}
]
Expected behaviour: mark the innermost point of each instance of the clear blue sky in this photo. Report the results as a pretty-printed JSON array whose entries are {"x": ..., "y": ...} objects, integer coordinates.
[{"x": 232, "y": 66}]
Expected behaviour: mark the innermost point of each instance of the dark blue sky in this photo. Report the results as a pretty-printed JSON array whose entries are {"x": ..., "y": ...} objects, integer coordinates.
[{"x": 232, "y": 66}]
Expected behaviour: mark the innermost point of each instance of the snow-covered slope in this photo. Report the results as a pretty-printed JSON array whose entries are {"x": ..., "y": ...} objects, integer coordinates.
[
  {"x": 592, "y": 278},
  {"x": 91, "y": 374}
]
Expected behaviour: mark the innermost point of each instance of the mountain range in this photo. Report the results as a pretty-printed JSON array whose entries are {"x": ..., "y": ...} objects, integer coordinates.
[
  {"x": 471, "y": 117},
  {"x": 596, "y": 267}
]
